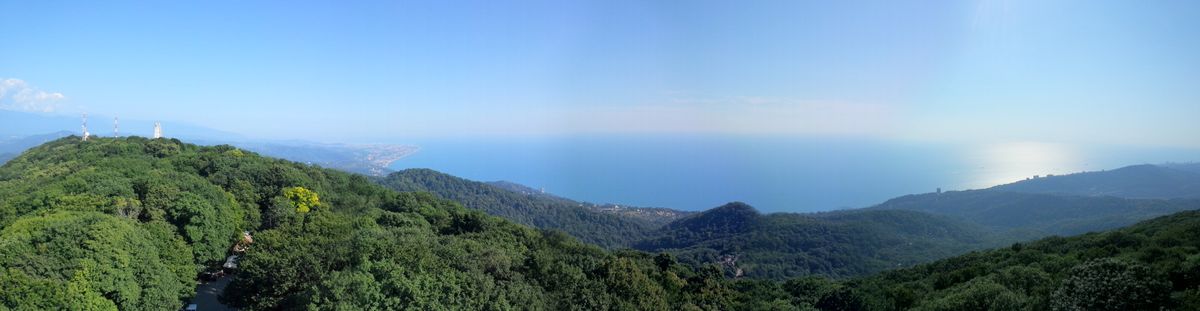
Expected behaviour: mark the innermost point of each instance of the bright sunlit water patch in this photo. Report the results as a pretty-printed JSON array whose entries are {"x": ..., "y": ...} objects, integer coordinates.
[{"x": 1003, "y": 163}]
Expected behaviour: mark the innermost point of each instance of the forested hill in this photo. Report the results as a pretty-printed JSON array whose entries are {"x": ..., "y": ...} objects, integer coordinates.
[
  {"x": 1153, "y": 265},
  {"x": 541, "y": 211},
  {"x": 782, "y": 245},
  {"x": 1137, "y": 181},
  {"x": 1037, "y": 214},
  {"x": 128, "y": 224},
  {"x": 522, "y": 189},
  {"x": 657, "y": 216}
]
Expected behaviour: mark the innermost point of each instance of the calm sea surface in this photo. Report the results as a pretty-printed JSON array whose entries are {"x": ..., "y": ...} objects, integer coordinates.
[{"x": 773, "y": 174}]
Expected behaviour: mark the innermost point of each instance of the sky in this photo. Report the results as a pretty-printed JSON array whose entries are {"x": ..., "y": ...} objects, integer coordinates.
[{"x": 1007, "y": 72}]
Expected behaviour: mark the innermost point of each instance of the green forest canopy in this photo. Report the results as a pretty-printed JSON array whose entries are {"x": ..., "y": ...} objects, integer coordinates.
[
  {"x": 128, "y": 224},
  {"x": 152, "y": 213}
]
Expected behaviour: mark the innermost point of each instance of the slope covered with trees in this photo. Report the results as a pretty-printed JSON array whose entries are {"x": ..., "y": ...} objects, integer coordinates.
[
  {"x": 839, "y": 244},
  {"x": 110, "y": 224},
  {"x": 1154, "y": 265},
  {"x": 540, "y": 211},
  {"x": 1037, "y": 214},
  {"x": 129, "y": 223},
  {"x": 657, "y": 216},
  {"x": 1136, "y": 182}
]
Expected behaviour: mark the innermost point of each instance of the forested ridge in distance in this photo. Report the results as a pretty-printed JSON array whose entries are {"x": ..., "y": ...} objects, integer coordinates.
[{"x": 901, "y": 232}]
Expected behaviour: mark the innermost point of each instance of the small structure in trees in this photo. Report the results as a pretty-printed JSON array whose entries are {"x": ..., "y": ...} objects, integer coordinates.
[{"x": 244, "y": 243}]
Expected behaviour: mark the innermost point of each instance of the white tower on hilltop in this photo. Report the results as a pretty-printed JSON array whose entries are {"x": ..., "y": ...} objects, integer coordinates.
[
  {"x": 85, "y": 132},
  {"x": 157, "y": 130},
  {"x": 116, "y": 128}
]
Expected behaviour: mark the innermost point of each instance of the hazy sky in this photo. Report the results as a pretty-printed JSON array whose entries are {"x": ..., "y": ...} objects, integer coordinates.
[{"x": 1112, "y": 72}]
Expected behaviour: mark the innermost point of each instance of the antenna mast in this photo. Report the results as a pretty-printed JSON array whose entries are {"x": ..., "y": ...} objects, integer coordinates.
[{"x": 85, "y": 131}]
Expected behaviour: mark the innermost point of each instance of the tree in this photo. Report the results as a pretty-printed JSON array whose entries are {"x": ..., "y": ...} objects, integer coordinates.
[
  {"x": 978, "y": 294},
  {"x": 90, "y": 260},
  {"x": 1111, "y": 284},
  {"x": 842, "y": 299},
  {"x": 630, "y": 284},
  {"x": 302, "y": 198},
  {"x": 809, "y": 290}
]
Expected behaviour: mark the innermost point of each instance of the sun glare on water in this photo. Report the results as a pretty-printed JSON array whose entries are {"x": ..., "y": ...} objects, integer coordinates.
[{"x": 1004, "y": 163}]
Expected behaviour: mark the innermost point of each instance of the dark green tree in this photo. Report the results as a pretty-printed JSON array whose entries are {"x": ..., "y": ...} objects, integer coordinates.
[{"x": 1112, "y": 284}]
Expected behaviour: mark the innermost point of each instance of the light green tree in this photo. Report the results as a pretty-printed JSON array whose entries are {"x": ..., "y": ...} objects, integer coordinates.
[{"x": 302, "y": 198}]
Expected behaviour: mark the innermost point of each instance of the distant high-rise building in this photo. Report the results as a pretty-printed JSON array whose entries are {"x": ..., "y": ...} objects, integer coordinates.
[
  {"x": 157, "y": 130},
  {"x": 116, "y": 128}
]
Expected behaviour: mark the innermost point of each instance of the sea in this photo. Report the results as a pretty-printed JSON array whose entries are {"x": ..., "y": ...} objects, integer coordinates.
[{"x": 773, "y": 174}]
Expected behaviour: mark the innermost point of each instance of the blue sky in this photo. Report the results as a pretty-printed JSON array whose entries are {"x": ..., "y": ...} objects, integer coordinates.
[{"x": 1080, "y": 72}]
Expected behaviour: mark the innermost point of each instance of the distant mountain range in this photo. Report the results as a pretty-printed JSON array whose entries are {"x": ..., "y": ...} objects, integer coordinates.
[{"x": 24, "y": 130}]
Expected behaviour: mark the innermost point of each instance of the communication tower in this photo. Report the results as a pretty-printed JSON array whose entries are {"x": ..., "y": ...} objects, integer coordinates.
[{"x": 85, "y": 131}]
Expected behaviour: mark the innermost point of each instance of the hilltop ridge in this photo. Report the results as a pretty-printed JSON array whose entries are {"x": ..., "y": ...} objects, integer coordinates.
[{"x": 1143, "y": 181}]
